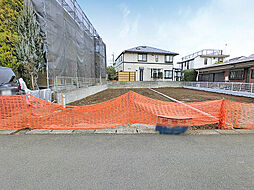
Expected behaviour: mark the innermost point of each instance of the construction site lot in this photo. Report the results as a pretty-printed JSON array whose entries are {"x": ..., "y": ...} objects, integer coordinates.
[{"x": 180, "y": 94}]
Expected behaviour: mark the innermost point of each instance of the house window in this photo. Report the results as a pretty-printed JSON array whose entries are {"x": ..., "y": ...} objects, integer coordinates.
[
  {"x": 178, "y": 75},
  {"x": 236, "y": 75},
  {"x": 142, "y": 57},
  {"x": 169, "y": 59},
  {"x": 156, "y": 73},
  {"x": 252, "y": 73},
  {"x": 168, "y": 74},
  {"x": 205, "y": 61},
  {"x": 156, "y": 58}
]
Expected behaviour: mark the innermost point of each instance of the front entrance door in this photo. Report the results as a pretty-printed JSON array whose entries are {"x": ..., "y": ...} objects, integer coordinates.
[{"x": 141, "y": 75}]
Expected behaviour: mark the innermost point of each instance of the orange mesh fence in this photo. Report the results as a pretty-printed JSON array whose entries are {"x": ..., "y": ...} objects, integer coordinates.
[
  {"x": 26, "y": 111},
  {"x": 237, "y": 115},
  {"x": 146, "y": 110}
]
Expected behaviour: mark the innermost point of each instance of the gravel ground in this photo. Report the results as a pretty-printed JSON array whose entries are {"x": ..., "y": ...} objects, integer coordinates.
[{"x": 111, "y": 162}]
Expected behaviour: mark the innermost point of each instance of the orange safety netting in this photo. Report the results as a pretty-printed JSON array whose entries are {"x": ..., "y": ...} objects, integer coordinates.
[{"x": 26, "y": 111}]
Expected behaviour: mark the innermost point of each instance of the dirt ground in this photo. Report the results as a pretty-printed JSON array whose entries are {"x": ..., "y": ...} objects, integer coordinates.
[
  {"x": 181, "y": 94},
  {"x": 188, "y": 95},
  {"x": 113, "y": 93}
]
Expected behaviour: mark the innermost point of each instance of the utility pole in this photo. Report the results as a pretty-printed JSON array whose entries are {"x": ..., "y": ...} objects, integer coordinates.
[
  {"x": 113, "y": 58},
  {"x": 225, "y": 50}
]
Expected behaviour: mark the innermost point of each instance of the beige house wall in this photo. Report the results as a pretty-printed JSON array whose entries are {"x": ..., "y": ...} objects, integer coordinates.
[
  {"x": 133, "y": 57},
  {"x": 134, "y": 67},
  {"x": 128, "y": 62}
]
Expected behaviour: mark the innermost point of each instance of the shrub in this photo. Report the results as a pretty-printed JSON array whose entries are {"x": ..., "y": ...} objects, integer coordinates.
[
  {"x": 190, "y": 75},
  {"x": 111, "y": 73},
  {"x": 9, "y": 12}
]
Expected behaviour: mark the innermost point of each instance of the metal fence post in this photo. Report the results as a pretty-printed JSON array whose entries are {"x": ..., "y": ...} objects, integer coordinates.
[
  {"x": 251, "y": 87},
  {"x": 63, "y": 100},
  {"x": 77, "y": 82},
  {"x": 56, "y": 82}
]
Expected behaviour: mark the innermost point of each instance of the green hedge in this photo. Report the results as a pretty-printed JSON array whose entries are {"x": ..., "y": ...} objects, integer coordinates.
[{"x": 190, "y": 75}]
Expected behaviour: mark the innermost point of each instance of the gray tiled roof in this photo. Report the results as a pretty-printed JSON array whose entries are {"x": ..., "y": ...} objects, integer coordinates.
[{"x": 147, "y": 49}]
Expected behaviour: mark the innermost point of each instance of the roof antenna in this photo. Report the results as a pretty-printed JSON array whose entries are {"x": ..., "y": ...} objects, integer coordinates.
[{"x": 225, "y": 51}]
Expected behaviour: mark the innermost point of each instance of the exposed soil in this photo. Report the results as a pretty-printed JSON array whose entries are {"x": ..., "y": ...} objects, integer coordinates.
[
  {"x": 181, "y": 94},
  {"x": 188, "y": 95},
  {"x": 114, "y": 93}
]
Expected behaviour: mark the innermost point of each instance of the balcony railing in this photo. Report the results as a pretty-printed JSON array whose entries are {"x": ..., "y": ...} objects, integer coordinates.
[{"x": 202, "y": 52}]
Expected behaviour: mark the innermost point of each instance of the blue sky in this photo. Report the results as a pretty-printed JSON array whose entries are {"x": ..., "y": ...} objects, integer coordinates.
[{"x": 182, "y": 26}]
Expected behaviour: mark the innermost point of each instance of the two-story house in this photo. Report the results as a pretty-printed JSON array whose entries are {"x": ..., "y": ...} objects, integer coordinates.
[
  {"x": 239, "y": 69},
  {"x": 148, "y": 63},
  {"x": 202, "y": 58}
]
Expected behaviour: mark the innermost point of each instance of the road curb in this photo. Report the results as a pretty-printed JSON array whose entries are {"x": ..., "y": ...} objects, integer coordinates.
[
  {"x": 202, "y": 132},
  {"x": 8, "y": 132},
  {"x": 39, "y": 132},
  {"x": 121, "y": 131}
]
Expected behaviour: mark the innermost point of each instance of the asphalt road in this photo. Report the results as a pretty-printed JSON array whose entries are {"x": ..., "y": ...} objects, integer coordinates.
[{"x": 126, "y": 162}]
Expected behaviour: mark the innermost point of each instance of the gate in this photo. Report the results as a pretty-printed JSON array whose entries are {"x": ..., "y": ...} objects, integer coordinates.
[{"x": 126, "y": 76}]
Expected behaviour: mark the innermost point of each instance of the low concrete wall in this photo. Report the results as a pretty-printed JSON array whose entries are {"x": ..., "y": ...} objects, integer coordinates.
[
  {"x": 144, "y": 84},
  {"x": 78, "y": 94}
]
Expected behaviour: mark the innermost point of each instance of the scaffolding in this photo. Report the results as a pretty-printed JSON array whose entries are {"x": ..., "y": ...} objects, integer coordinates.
[{"x": 73, "y": 47}]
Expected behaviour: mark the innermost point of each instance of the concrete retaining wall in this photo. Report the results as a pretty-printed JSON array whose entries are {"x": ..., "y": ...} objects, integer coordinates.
[
  {"x": 78, "y": 94},
  {"x": 144, "y": 84}
]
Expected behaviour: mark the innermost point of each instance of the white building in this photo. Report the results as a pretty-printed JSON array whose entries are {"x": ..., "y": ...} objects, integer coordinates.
[
  {"x": 202, "y": 58},
  {"x": 148, "y": 63}
]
